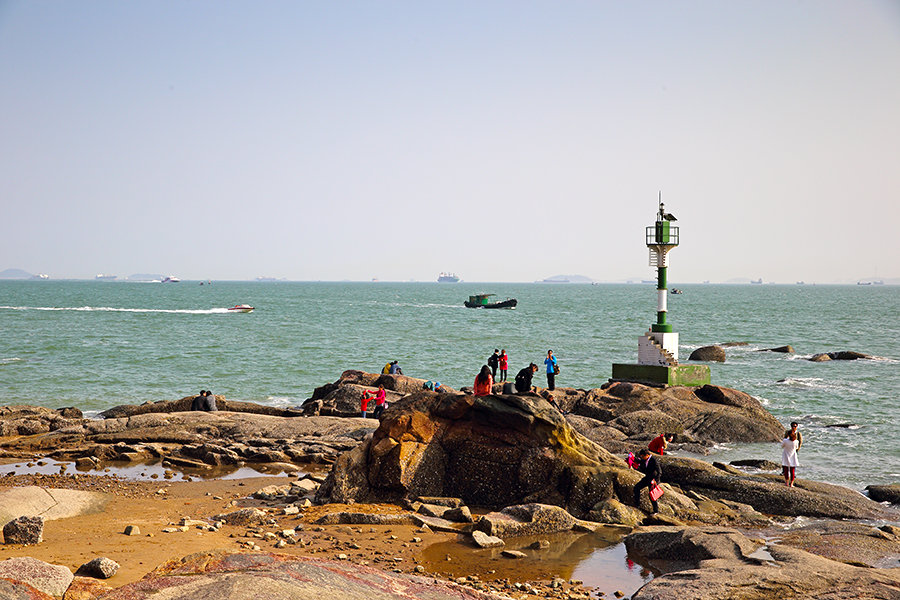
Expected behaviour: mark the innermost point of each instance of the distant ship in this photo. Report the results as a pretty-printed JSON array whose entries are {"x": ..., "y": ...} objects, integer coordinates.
[
  {"x": 40, "y": 276},
  {"x": 758, "y": 281},
  {"x": 266, "y": 279},
  {"x": 103, "y": 277},
  {"x": 170, "y": 279},
  {"x": 448, "y": 278}
]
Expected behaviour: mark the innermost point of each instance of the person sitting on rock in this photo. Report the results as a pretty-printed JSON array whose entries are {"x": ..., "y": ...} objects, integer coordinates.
[
  {"x": 659, "y": 444},
  {"x": 380, "y": 402},
  {"x": 523, "y": 379},
  {"x": 484, "y": 382},
  {"x": 387, "y": 368},
  {"x": 649, "y": 466},
  {"x": 209, "y": 402},
  {"x": 197, "y": 403},
  {"x": 395, "y": 369}
]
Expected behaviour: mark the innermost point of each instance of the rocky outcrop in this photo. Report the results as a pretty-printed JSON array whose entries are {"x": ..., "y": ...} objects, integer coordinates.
[
  {"x": 184, "y": 405},
  {"x": 767, "y": 493},
  {"x": 708, "y": 354},
  {"x": 342, "y": 397},
  {"x": 497, "y": 451},
  {"x": 715, "y": 564},
  {"x": 490, "y": 451},
  {"x": 842, "y": 355},
  {"x": 885, "y": 493},
  {"x": 32, "y": 420},
  {"x": 197, "y": 439},
  {"x": 780, "y": 349},
  {"x": 227, "y": 574},
  {"x": 700, "y": 416}
]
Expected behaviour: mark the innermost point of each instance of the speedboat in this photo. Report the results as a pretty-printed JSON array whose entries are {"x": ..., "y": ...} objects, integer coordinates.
[{"x": 241, "y": 308}]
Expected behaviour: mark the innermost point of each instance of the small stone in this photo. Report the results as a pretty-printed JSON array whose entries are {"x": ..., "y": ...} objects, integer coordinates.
[
  {"x": 342, "y": 557},
  {"x": 132, "y": 530},
  {"x": 281, "y": 544},
  {"x": 420, "y": 569},
  {"x": 513, "y": 554},
  {"x": 619, "y": 594},
  {"x": 100, "y": 568}
]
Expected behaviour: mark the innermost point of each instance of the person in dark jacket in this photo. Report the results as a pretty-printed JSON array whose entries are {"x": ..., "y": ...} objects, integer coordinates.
[
  {"x": 649, "y": 466},
  {"x": 523, "y": 378},
  {"x": 493, "y": 362}
]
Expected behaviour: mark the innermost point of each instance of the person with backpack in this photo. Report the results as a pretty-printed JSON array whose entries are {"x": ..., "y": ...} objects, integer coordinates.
[
  {"x": 493, "y": 362},
  {"x": 552, "y": 370}
]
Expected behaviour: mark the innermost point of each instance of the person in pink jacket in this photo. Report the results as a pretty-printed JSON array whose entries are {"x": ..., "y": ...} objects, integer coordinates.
[
  {"x": 380, "y": 403},
  {"x": 504, "y": 365}
]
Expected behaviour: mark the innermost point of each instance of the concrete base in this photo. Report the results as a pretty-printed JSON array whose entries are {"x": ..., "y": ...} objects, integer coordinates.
[{"x": 692, "y": 375}]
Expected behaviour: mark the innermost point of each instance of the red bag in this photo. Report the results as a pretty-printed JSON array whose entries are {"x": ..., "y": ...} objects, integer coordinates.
[{"x": 656, "y": 491}]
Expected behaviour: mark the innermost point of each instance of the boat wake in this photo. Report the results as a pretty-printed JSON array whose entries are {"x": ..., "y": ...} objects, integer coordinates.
[{"x": 185, "y": 311}]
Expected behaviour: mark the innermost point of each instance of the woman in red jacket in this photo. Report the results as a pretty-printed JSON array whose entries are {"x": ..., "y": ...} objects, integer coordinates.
[
  {"x": 484, "y": 382},
  {"x": 504, "y": 365}
]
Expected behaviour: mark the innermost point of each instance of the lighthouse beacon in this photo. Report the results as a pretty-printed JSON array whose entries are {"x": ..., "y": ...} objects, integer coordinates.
[{"x": 658, "y": 348}]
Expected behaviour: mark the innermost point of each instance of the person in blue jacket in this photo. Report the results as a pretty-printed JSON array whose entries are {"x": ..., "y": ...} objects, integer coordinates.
[{"x": 550, "y": 361}]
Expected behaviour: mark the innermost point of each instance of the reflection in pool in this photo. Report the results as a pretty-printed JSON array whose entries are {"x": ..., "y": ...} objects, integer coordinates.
[{"x": 598, "y": 559}]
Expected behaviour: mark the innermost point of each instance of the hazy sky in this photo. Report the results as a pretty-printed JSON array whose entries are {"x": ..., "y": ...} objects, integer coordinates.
[{"x": 506, "y": 141}]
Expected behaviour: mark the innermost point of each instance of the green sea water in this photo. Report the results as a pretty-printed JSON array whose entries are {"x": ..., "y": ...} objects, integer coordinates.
[{"x": 99, "y": 344}]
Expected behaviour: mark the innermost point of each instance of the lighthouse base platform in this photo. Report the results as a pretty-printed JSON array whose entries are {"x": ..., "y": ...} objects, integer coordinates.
[{"x": 690, "y": 375}]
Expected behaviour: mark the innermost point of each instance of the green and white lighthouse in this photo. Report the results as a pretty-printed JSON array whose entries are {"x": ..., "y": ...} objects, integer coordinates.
[{"x": 658, "y": 348}]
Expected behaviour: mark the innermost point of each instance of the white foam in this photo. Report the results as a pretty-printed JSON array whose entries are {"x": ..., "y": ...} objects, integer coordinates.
[{"x": 186, "y": 311}]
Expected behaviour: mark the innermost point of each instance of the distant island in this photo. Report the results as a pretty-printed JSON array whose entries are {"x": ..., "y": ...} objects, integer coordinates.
[{"x": 15, "y": 274}]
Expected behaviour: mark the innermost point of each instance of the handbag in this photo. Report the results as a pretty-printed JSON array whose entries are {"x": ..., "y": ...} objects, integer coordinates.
[
  {"x": 556, "y": 369},
  {"x": 656, "y": 491}
]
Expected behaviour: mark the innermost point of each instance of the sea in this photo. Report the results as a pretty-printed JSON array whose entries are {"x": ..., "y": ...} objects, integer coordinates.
[{"x": 98, "y": 344}]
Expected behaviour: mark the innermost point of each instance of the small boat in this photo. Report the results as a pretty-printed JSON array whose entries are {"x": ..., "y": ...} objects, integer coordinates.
[
  {"x": 241, "y": 308},
  {"x": 675, "y": 291},
  {"x": 481, "y": 301},
  {"x": 171, "y": 279}
]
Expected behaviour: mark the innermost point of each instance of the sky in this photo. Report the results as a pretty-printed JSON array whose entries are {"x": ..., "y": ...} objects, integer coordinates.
[{"x": 501, "y": 140}]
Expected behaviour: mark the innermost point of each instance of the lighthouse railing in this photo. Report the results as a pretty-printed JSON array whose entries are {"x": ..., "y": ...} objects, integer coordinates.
[{"x": 662, "y": 236}]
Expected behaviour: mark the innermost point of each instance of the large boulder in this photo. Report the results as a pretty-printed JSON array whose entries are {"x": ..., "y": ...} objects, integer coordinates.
[
  {"x": 885, "y": 493},
  {"x": 708, "y": 354},
  {"x": 52, "y": 580},
  {"x": 490, "y": 451},
  {"x": 707, "y": 414}
]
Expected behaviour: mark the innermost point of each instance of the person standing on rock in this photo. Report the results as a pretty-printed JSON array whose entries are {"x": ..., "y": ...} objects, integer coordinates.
[
  {"x": 380, "y": 402},
  {"x": 523, "y": 379},
  {"x": 364, "y": 403},
  {"x": 484, "y": 382},
  {"x": 794, "y": 429},
  {"x": 789, "y": 461},
  {"x": 504, "y": 364},
  {"x": 552, "y": 370},
  {"x": 493, "y": 362},
  {"x": 649, "y": 466}
]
